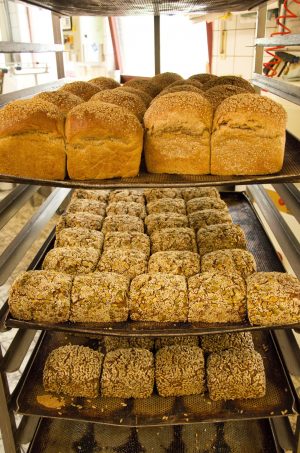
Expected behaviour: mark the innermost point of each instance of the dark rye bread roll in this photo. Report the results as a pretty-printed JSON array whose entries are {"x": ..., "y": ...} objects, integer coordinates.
[
  {"x": 104, "y": 83},
  {"x": 178, "y": 134},
  {"x": 129, "y": 101},
  {"x": 84, "y": 90},
  {"x": 32, "y": 140},
  {"x": 63, "y": 100},
  {"x": 251, "y": 128},
  {"x": 103, "y": 141}
]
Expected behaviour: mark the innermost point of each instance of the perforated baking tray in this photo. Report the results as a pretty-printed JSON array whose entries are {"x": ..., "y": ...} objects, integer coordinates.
[
  {"x": 257, "y": 243},
  {"x": 156, "y": 410},
  {"x": 53, "y": 436},
  {"x": 289, "y": 172}
]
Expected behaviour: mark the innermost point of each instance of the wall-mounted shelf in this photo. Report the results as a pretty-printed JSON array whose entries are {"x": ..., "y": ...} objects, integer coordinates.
[
  {"x": 282, "y": 89},
  {"x": 28, "y": 47},
  {"x": 280, "y": 40}
]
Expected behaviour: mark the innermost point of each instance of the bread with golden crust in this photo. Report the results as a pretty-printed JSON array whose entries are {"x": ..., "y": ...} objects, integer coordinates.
[
  {"x": 84, "y": 90},
  {"x": 104, "y": 83},
  {"x": 166, "y": 78},
  {"x": 203, "y": 78},
  {"x": 178, "y": 134},
  {"x": 192, "y": 82},
  {"x": 144, "y": 84},
  {"x": 178, "y": 88},
  {"x": 129, "y": 101},
  {"x": 146, "y": 97},
  {"x": 248, "y": 136},
  {"x": 229, "y": 80},
  {"x": 103, "y": 141},
  {"x": 63, "y": 100},
  {"x": 218, "y": 93},
  {"x": 32, "y": 140}
]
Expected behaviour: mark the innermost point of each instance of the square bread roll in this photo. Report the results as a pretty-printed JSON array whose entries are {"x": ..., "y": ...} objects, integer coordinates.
[
  {"x": 119, "y": 240},
  {"x": 131, "y": 208},
  {"x": 80, "y": 219},
  {"x": 156, "y": 194},
  {"x": 98, "y": 195},
  {"x": 235, "y": 374},
  {"x": 128, "y": 373},
  {"x": 41, "y": 296},
  {"x": 158, "y": 297},
  {"x": 179, "y": 370},
  {"x": 273, "y": 298},
  {"x": 173, "y": 239},
  {"x": 127, "y": 262},
  {"x": 100, "y": 298},
  {"x": 112, "y": 343},
  {"x": 207, "y": 217},
  {"x": 163, "y": 220},
  {"x": 217, "y": 298},
  {"x": 233, "y": 260},
  {"x": 72, "y": 260},
  {"x": 175, "y": 205},
  {"x": 203, "y": 203},
  {"x": 127, "y": 195},
  {"x": 86, "y": 205},
  {"x": 125, "y": 223},
  {"x": 161, "y": 342},
  {"x": 175, "y": 262},
  {"x": 229, "y": 340},
  {"x": 73, "y": 370},
  {"x": 220, "y": 237},
  {"x": 79, "y": 237},
  {"x": 197, "y": 192}
]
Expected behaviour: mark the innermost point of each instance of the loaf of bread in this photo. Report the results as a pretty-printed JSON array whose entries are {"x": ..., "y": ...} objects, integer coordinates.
[
  {"x": 104, "y": 83},
  {"x": 156, "y": 194},
  {"x": 175, "y": 205},
  {"x": 145, "y": 97},
  {"x": 207, "y": 217},
  {"x": 111, "y": 343},
  {"x": 41, "y": 296},
  {"x": 133, "y": 240},
  {"x": 179, "y": 88},
  {"x": 84, "y": 90},
  {"x": 80, "y": 219},
  {"x": 216, "y": 297},
  {"x": 198, "y": 192},
  {"x": 102, "y": 141},
  {"x": 203, "y": 78},
  {"x": 192, "y": 82},
  {"x": 161, "y": 342},
  {"x": 73, "y": 370},
  {"x": 220, "y": 237},
  {"x": 127, "y": 195},
  {"x": 235, "y": 374},
  {"x": 129, "y": 101},
  {"x": 177, "y": 138},
  {"x": 232, "y": 260},
  {"x": 252, "y": 129},
  {"x": 180, "y": 370},
  {"x": 128, "y": 373},
  {"x": 79, "y": 237},
  {"x": 123, "y": 223},
  {"x": 163, "y": 220},
  {"x": 32, "y": 140},
  {"x": 229, "y": 80},
  {"x": 72, "y": 260},
  {"x": 100, "y": 297},
  {"x": 144, "y": 84},
  {"x": 166, "y": 78},
  {"x": 86, "y": 205},
  {"x": 99, "y": 195},
  {"x": 173, "y": 239},
  {"x": 199, "y": 204},
  {"x": 229, "y": 340},
  {"x": 126, "y": 262},
  {"x": 273, "y": 298},
  {"x": 218, "y": 93},
  {"x": 175, "y": 262},
  {"x": 130, "y": 208},
  {"x": 158, "y": 297},
  {"x": 63, "y": 100}
]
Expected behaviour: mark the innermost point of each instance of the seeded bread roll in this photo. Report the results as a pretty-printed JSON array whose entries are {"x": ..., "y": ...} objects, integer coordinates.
[
  {"x": 177, "y": 89},
  {"x": 175, "y": 263},
  {"x": 207, "y": 217},
  {"x": 192, "y": 82},
  {"x": 199, "y": 204},
  {"x": 99, "y": 195},
  {"x": 103, "y": 141},
  {"x": 178, "y": 134},
  {"x": 126, "y": 208},
  {"x": 252, "y": 129},
  {"x": 72, "y": 260},
  {"x": 80, "y": 219},
  {"x": 161, "y": 342},
  {"x": 127, "y": 195},
  {"x": 229, "y": 80},
  {"x": 234, "y": 260},
  {"x": 129, "y": 101},
  {"x": 32, "y": 140},
  {"x": 73, "y": 370},
  {"x": 127, "y": 241},
  {"x": 173, "y": 239},
  {"x": 228, "y": 340},
  {"x": 100, "y": 298},
  {"x": 84, "y": 90},
  {"x": 218, "y": 93},
  {"x": 127, "y": 262},
  {"x": 163, "y": 220},
  {"x": 203, "y": 78},
  {"x": 79, "y": 237},
  {"x": 235, "y": 374},
  {"x": 166, "y": 78},
  {"x": 63, "y": 100},
  {"x": 197, "y": 192},
  {"x": 179, "y": 370},
  {"x": 123, "y": 223},
  {"x": 41, "y": 296},
  {"x": 145, "y": 97},
  {"x": 86, "y": 205},
  {"x": 215, "y": 297},
  {"x": 112, "y": 343},
  {"x": 273, "y": 298},
  {"x": 175, "y": 205},
  {"x": 104, "y": 83},
  {"x": 128, "y": 373},
  {"x": 158, "y": 297},
  {"x": 144, "y": 84},
  {"x": 220, "y": 237},
  {"x": 157, "y": 194}
]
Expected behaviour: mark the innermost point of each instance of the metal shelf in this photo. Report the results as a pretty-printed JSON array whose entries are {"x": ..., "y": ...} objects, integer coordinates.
[
  {"x": 280, "y": 40},
  {"x": 282, "y": 89},
  {"x": 28, "y": 47}
]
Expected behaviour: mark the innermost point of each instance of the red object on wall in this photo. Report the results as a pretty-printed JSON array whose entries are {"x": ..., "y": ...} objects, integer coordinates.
[
  {"x": 209, "y": 33},
  {"x": 115, "y": 42}
]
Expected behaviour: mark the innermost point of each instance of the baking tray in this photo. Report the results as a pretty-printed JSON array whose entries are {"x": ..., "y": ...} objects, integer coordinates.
[
  {"x": 255, "y": 436},
  {"x": 258, "y": 243},
  {"x": 155, "y": 410},
  {"x": 289, "y": 172}
]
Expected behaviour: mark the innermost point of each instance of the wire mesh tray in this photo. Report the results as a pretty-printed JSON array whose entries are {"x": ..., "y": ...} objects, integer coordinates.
[
  {"x": 257, "y": 243},
  {"x": 33, "y": 400},
  {"x": 53, "y": 436},
  {"x": 289, "y": 172}
]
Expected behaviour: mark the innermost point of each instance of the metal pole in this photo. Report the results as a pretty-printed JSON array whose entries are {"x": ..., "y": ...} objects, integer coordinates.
[
  {"x": 157, "y": 44},
  {"x": 260, "y": 33},
  {"x": 58, "y": 40}
]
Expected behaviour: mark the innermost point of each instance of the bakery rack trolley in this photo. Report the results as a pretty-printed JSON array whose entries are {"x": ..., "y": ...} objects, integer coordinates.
[{"x": 47, "y": 434}]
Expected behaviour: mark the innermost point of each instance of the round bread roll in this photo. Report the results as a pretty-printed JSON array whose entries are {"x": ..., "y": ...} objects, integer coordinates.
[
  {"x": 218, "y": 93},
  {"x": 63, "y": 100},
  {"x": 178, "y": 134},
  {"x": 124, "y": 99},
  {"x": 32, "y": 140},
  {"x": 84, "y": 90},
  {"x": 146, "y": 97},
  {"x": 192, "y": 82},
  {"x": 203, "y": 78},
  {"x": 178, "y": 89},
  {"x": 166, "y": 78},
  {"x": 144, "y": 84},
  {"x": 103, "y": 141},
  {"x": 229, "y": 80},
  {"x": 105, "y": 83},
  {"x": 251, "y": 128}
]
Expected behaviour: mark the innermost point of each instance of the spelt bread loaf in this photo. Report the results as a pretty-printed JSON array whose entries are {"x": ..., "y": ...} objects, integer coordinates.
[
  {"x": 199, "y": 204},
  {"x": 229, "y": 340},
  {"x": 118, "y": 240},
  {"x": 198, "y": 192},
  {"x": 79, "y": 237},
  {"x": 207, "y": 217},
  {"x": 175, "y": 205},
  {"x": 127, "y": 195},
  {"x": 126, "y": 262},
  {"x": 123, "y": 223},
  {"x": 220, "y": 237},
  {"x": 86, "y": 205},
  {"x": 130, "y": 208},
  {"x": 129, "y": 101},
  {"x": 233, "y": 260},
  {"x": 99, "y": 195},
  {"x": 154, "y": 222},
  {"x": 80, "y": 219},
  {"x": 173, "y": 239},
  {"x": 63, "y": 100},
  {"x": 157, "y": 194},
  {"x": 175, "y": 262},
  {"x": 72, "y": 260}
]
